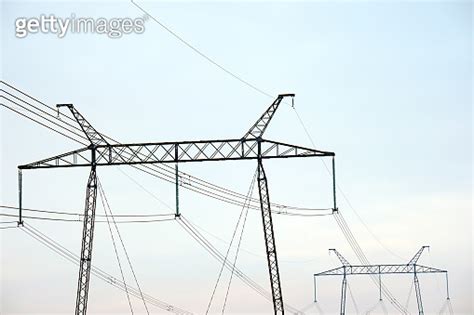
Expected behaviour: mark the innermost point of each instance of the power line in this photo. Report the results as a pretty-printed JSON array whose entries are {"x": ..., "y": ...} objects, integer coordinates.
[
  {"x": 151, "y": 218},
  {"x": 220, "y": 239},
  {"x": 81, "y": 214},
  {"x": 171, "y": 218},
  {"x": 207, "y": 245},
  {"x": 342, "y": 192},
  {"x": 36, "y": 121},
  {"x": 101, "y": 189},
  {"x": 115, "y": 247},
  {"x": 212, "y": 61},
  {"x": 230, "y": 244},
  {"x": 79, "y": 220},
  {"x": 101, "y": 274},
  {"x": 7, "y": 227},
  {"x": 363, "y": 259},
  {"x": 348, "y": 233},
  {"x": 144, "y": 189},
  {"x": 238, "y": 245}
]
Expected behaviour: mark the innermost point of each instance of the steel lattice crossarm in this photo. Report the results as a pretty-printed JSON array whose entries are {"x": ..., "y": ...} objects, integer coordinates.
[
  {"x": 376, "y": 269},
  {"x": 411, "y": 267},
  {"x": 173, "y": 152},
  {"x": 101, "y": 153}
]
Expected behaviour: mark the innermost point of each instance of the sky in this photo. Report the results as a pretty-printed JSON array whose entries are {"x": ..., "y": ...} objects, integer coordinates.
[{"x": 386, "y": 85}]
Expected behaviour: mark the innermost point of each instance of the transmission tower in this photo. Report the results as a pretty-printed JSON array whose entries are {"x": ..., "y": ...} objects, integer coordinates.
[
  {"x": 412, "y": 267},
  {"x": 101, "y": 153}
]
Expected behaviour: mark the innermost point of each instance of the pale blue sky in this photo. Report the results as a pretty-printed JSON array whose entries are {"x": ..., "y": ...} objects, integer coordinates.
[{"x": 386, "y": 85}]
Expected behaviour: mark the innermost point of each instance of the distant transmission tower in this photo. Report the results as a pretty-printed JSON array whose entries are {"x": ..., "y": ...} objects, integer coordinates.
[{"x": 410, "y": 268}]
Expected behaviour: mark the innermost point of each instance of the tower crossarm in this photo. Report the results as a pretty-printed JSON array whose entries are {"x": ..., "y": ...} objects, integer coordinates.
[
  {"x": 174, "y": 152},
  {"x": 382, "y": 269}
]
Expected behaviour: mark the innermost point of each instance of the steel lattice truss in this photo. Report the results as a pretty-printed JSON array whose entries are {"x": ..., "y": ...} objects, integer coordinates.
[
  {"x": 86, "y": 248},
  {"x": 376, "y": 269},
  {"x": 257, "y": 130},
  {"x": 173, "y": 152},
  {"x": 250, "y": 147},
  {"x": 269, "y": 239}
]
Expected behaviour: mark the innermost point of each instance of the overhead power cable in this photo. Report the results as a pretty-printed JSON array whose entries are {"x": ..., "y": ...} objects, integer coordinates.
[
  {"x": 109, "y": 209},
  {"x": 249, "y": 194},
  {"x": 80, "y": 220},
  {"x": 220, "y": 239},
  {"x": 234, "y": 263},
  {"x": 353, "y": 299},
  {"x": 346, "y": 199},
  {"x": 8, "y": 222},
  {"x": 101, "y": 274},
  {"x": 81, "y": 214},
  {"x": 447, "y": 308},
  {"x": 407, "y": 303},
  {"x": 363, "y": 259},
  {"x": 207, "y": 245},
  {"x": 66, "y": 217},
  {"x": 7, "y": 227},
  {"x": 115, "y": 248},
  {"x": 212, "y": 61},
  {"x": 61, "y": 216}
]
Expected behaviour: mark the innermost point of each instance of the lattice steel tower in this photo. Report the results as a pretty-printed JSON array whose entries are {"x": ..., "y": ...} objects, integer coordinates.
[{"x": 101, "y": 153}]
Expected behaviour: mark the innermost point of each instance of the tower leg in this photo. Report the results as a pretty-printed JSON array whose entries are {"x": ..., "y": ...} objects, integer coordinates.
[
  {"x": 343, "y": 294},
  {"x": 86, "y": 248},
  {"x": 270, "y": 240},
  {"x": 20, "y": 198},
  {"x": 380, "y": 285},
  {"x": 418, "y": 295},
  {"x": 315, "y": 292}
]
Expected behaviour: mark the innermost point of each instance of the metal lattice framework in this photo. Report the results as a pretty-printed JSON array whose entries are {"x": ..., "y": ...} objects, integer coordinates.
[
  {"x": 87, "y": 242},
  {"x": 269, "y": 239},
  {"x": 100, "y": 153},
  {"x": 257, "y": 130},
  {"x": 176, "y": 152},
  {"x": 410, "y": 268}
]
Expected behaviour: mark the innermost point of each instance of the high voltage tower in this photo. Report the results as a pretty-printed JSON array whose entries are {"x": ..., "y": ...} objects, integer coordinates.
[
  {"x": 412, "y": 267},
  {"x": 101, "y": 152}
]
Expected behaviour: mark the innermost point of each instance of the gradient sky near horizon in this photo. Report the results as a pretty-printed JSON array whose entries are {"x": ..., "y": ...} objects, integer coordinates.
[{"x": 387, "y": 85}]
